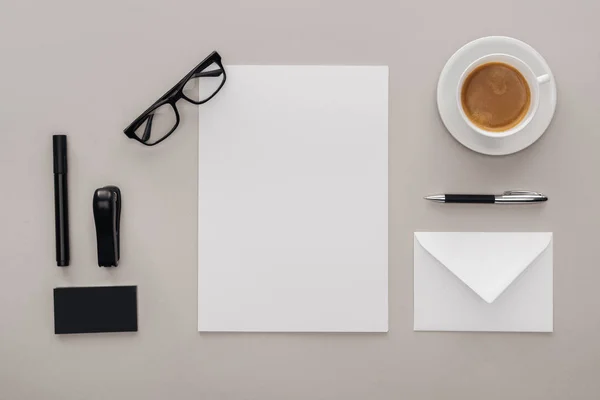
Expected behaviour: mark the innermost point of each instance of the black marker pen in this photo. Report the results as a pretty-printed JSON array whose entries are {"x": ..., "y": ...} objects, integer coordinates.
[{"x": 61, "y": 203}]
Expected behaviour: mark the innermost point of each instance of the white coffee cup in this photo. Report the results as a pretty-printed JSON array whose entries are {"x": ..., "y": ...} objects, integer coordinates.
[{"x": 533, "y": 81}]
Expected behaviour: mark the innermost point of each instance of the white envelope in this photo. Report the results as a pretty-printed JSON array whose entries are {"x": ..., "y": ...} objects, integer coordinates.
[{"x": 480, "y": 281}]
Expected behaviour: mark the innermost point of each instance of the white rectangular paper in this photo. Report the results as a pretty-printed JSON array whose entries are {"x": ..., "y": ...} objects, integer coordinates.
[
  {"x": 482, "y": 281},
  {"x": 293, "y": 201}
]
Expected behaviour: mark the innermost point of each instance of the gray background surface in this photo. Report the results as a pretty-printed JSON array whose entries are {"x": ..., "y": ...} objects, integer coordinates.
[{"x": 88, "y": 68}]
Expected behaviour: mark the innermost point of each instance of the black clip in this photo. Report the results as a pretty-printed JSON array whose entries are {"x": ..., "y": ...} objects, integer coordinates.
[{"x": 107, "y": 215}]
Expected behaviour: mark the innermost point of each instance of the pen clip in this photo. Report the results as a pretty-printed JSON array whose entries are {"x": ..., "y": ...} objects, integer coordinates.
[{"x": 521, "y": 193}]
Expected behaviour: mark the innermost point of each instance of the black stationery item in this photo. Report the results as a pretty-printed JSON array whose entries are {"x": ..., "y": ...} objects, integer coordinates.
[
  {"x": 161, "y": 119},
  {"x": 107, "y": 216},
  {"x": 95, "y": 309},
  {"x": 508, "y": 197},
  {"x": 61, "y": 202}
]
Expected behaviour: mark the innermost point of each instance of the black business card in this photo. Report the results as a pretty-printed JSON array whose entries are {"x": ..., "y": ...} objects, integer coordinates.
[{"x": 95, "y": 309}]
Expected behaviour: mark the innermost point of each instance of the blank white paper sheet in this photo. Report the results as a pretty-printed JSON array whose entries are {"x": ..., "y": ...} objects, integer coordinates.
[{"x": 293, "y": 201}]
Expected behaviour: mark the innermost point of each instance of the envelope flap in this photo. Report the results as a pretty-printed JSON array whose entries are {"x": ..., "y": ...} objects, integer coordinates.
[{"x": 486, "y": 262}]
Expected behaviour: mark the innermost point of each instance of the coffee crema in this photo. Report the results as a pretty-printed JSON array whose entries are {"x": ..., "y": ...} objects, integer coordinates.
[{"x": 495, "y": 97}]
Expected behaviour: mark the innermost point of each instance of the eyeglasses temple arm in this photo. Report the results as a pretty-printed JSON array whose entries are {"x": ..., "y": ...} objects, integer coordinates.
[
  {"x": 215, "y": 73},
  {"x": 148, "y": 128}
]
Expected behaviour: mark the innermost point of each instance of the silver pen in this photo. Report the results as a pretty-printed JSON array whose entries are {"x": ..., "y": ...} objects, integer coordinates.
[{"x": 508, "y": 197}]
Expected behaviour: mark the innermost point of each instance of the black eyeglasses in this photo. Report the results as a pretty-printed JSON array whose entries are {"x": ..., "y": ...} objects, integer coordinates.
[{"x": 161, "y": 119}]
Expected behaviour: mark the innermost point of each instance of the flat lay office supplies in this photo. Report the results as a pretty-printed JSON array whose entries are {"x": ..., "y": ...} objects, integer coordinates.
[
  {"x": 61, "y": 200},
  {"x": 161, "y": 119},
  {"x": 508, "y": 197},
  {"x": 95, "y": 309},
  {"x": 293, "y": 201},
  {"x": 106, "y": 205},
  {"x": 513, "y": 112},
  {"x": 483, "y": 281}
]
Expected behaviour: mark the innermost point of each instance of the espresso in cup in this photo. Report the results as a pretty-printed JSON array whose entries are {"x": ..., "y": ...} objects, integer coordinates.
[{"x": 495, "y": 97}]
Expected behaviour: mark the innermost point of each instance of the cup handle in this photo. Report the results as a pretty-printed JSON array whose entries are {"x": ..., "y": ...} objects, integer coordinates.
[{"x": 543, "y": 78}]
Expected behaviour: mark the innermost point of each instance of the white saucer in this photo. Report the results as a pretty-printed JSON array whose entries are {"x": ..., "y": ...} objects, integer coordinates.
[{"x": 448, "y": 107}]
